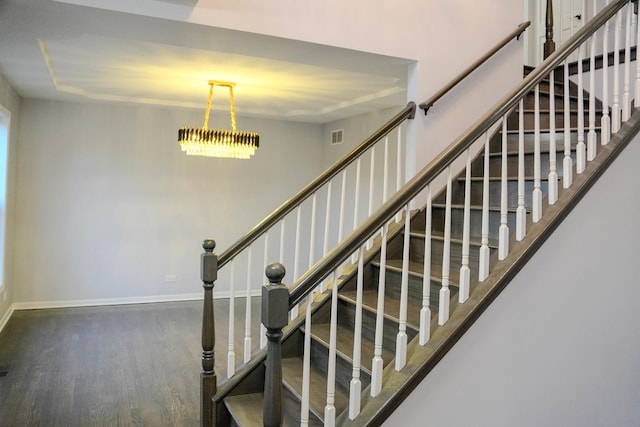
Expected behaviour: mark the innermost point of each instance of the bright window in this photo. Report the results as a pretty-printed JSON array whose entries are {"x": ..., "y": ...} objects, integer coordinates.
[{"x": 5, "y": 121}]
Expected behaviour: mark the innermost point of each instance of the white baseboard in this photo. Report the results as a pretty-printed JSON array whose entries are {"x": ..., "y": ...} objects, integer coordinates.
[
  {"x": 39, "y": 305},
  {"x": 6, "y": 317}
]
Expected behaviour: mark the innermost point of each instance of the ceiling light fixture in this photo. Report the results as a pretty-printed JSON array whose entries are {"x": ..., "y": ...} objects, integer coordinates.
[{"x": 218, "y": 142}]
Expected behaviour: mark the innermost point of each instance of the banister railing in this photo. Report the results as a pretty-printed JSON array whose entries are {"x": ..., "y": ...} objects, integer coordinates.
[
  {"x": 309, "y": 195},
  {"x": 471, "y": 68},
  {"x": 509, "y": 115}
]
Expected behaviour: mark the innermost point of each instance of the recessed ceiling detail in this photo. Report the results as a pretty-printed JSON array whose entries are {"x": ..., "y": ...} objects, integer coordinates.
[{"x": 60, "y": 50}]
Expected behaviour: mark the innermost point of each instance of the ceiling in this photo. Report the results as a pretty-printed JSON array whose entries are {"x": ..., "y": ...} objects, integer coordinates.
[{"x": 65, "y": 50}]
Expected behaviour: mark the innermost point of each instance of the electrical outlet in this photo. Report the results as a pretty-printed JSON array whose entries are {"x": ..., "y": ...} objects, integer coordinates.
[{"x": 170, "y": 278}]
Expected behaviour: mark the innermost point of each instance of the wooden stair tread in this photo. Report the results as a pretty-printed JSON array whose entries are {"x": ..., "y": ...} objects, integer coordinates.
[
  {"x": 292, "y": 368},
  {"x": 547, "y": 130},
  {"x": 417, "y": 269},
  {"x": 246, "y": 410},
  {"x": 439, "y": 236},
  {"x": 530, "y": 151},
  {"x": 344, "y": 344},
  {"x": 391, "y": 306},
  {"x": 474, "y": 207},
  {"x": 509, "y": 178}
]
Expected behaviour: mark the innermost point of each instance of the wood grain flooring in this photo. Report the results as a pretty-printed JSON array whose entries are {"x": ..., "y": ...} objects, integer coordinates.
[{"x": 129, "y": 365}]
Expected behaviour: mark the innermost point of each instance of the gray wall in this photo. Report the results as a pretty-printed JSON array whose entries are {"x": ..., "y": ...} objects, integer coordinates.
[
  {"x": 10, "y": 100},
  {"x": 109, "y": 204},
  {"x": 560, "y": 346}
]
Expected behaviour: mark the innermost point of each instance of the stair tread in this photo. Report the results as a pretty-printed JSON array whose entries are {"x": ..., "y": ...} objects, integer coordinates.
[
  {"x": 292, "y": 374},
  {"x": 391, "y": 306},
  {"x": 509, "y": 178},
  {"x": 547, "y": 130},
  {"x": 439, "y": 235},
  {"x": 474, "y": 207},
  {"x": 344, "y": 344},
  {"x": 417, "y": 269},
  {"x": 529, "y": 151},
  {"x": 246, "y": 410}
]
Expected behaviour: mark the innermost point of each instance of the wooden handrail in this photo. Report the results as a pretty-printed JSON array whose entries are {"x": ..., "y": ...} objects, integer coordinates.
[
  {"x": 411, "y": 189},
  {"x": 408, "y": 112},
  {"x": 515, "y": 33}
]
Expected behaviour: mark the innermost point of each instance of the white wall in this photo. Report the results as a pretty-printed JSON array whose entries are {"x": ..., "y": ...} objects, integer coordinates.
[
  {"x": 10, "y": 100},
  {"x": 560, "y": 346},
  {"x": 108, "y": 205}
]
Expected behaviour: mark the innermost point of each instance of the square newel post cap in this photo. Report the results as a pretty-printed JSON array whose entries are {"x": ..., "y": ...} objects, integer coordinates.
[
  {"x": 275, "y": 298},
  {"x": 209, "y": 262}
]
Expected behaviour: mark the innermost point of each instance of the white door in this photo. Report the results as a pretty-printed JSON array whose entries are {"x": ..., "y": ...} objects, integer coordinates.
[{"x": 568, "y": 17}]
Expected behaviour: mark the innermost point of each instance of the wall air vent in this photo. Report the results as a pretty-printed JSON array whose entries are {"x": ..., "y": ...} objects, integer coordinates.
[{"x": 336, "y": 136}]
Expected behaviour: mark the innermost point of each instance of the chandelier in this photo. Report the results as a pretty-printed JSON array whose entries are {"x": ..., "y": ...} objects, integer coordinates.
[{"x": 218, "y": 142}]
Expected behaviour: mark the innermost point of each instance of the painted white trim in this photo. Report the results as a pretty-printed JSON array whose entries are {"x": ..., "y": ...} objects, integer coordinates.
[
  {"x": 6, "y": 317},
  {"x": 38, "y": 305}
]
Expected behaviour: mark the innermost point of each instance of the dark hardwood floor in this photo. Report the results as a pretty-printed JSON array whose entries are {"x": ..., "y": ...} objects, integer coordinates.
[{"x": 128, "y": 365}]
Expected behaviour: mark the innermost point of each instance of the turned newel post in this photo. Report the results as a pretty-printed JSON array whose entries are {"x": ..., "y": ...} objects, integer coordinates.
[
  {"x": 208, "y": 274},
  {"x": 549, "y": 45},
  {"x": 275, "y": 311}
]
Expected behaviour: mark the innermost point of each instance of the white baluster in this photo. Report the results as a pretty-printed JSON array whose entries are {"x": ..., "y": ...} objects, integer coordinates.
[
  {"x": 425, "y": 311},
  {"x": 385, "y": 172},
  {"x": 355, "y": 388},
  {"x": 465, "y": 271},
  {"x": 615, "y": 109},
  {"x": 356, "y": 208},
  {"x": 521, "y": 211},
  {"x": 312, "y": 237},
  {"x": 281, "y": 255},
  {"x": 247, "y": 314},
  {"x": 377, "y": 364},
  {"x": 343, "y": 196},
  {"x": 445, "y": 294},
  {"x": 503, "y": 231},
  {"x": 553, "y": 174},
  {"x": 399, "y": 170},
  {"x": 372, "y": 173},
  {"x": 536, "y": 208},
  {"x": 401, "y": 339},
  {"x": 330, "y": 409},
  {"x": 485, "y": 253},
  {"x": 626, "y": 95},
  {"x": 306, "y": 365},
  {"x": 296, "y": 258},
  {"x": 581, "y": 148},
  {"x": 327, "y": 223},
  {"x": 265, "y": 261},
  {"x": 605, "y": 120},
  {"x": 592, "y": 139},
  {"x": 231, "y": 353},
  {"x": 567, "y": 163}
]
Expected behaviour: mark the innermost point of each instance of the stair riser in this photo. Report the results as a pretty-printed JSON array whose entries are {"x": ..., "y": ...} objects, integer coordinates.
[
  {"x": 529, "y": 141},
  {"x": 475, "y": 221},
  {"x": 495, "y": 189},
  {"x": 529, "y": 102},
  {"x": 346, "y": 317},
  {"x": 495, "y": 164},
  {"x": 437, "y": 249},
  {"x": 393, "y": 288},
  {"x": 529, "y": 120},
  {"x": 344, "y": 368}
]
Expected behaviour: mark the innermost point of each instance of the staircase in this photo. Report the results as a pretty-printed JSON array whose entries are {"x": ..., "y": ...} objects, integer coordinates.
[
  {"x": 246, "y": 409},
  {"x": 407, "y": 283}
]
